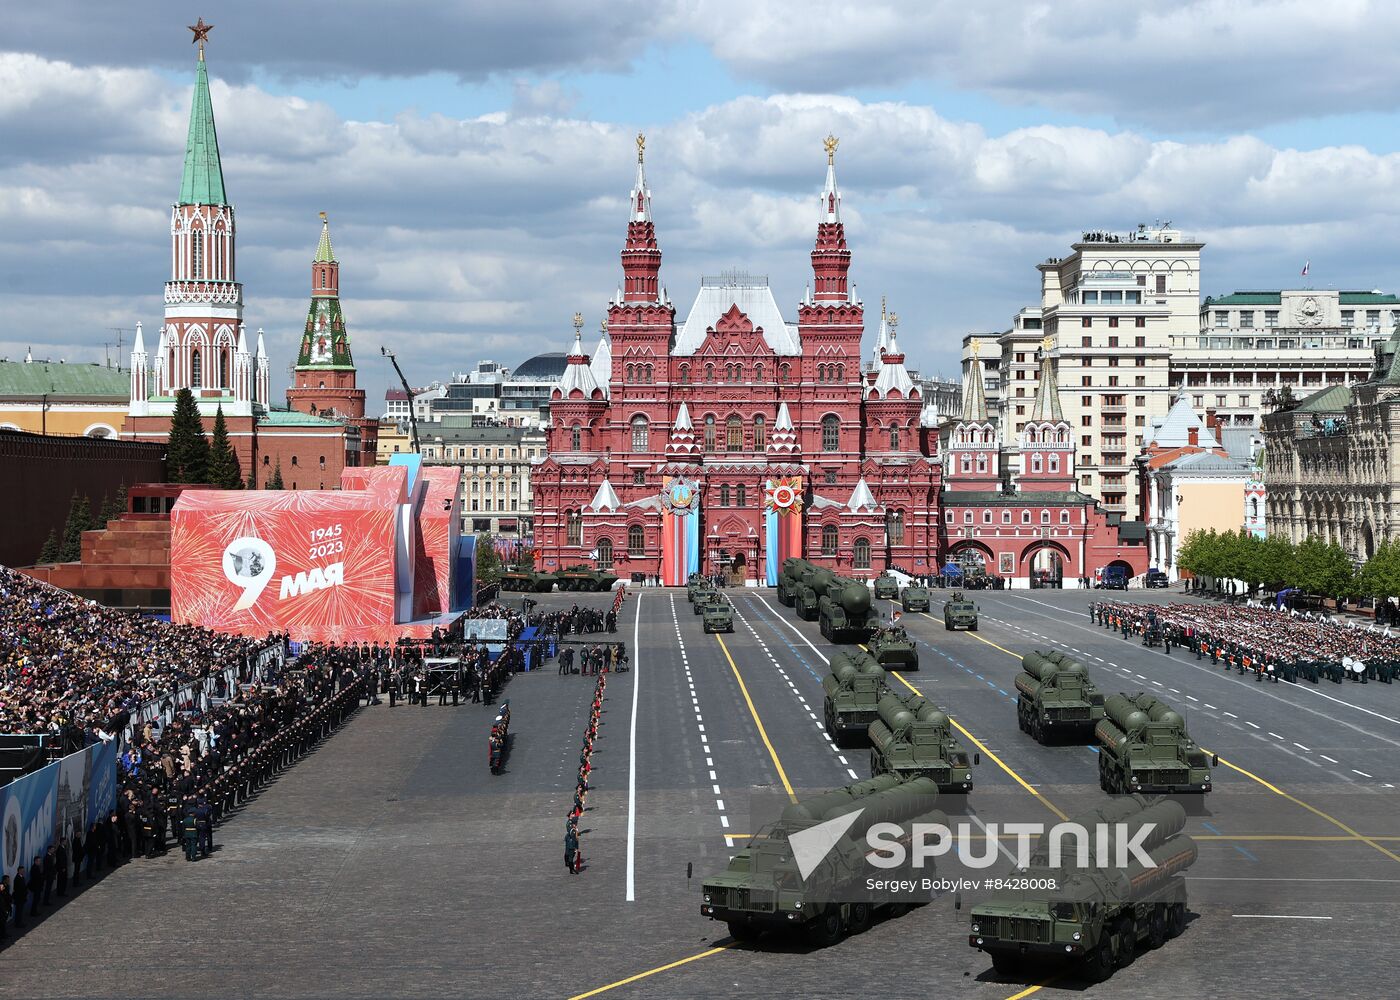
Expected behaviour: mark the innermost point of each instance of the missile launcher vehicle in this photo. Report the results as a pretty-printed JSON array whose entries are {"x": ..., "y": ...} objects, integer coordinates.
[
  {"x": 763, "y": 888},
  {"x": 913, "y": 737},
  {"x": 844, "y": 612},
  {"x": 894, "y": 648},
  {"x": 853, "y": 691},
  {"x": 1055, "y": 697},
  {"x": 1144, "y": 747},
  {"x": 1099, "y": 914},
  {"x": 790, "y": 579}
]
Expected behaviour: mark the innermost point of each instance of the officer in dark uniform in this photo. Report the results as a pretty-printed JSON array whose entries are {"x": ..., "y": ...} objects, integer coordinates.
[{"x": 204, "y": 822}]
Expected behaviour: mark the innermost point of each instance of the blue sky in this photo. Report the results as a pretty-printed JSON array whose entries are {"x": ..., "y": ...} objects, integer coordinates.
[{"x": 475, "y": 158}]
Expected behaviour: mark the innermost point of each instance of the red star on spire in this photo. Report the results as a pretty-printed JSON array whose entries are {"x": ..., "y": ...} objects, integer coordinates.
[{"x": 201, "y": 34}]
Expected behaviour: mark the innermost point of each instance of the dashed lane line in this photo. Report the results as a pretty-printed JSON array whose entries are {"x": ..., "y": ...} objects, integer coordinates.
[{"x": 700, "y": 725}]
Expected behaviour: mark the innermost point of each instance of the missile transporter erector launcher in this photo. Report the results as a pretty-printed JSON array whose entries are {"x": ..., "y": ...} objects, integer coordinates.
[
  {"x": 913, "y": 737},
  {"x": 790, "y": 579},
  {"x": 811, "y": 587},
  {"x": 763, "y": 888},
  {"x": 1054, "y": 696},
  {"x": 1144, "y": 747},
  {"x": 844, "y": 612},
  {"x": 853, "y": 691},
  {"x": 1101, "y": 913}
]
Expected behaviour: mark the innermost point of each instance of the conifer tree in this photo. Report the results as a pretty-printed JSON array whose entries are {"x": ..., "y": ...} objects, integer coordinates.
[
  {"x": 275, "y": 483},
  {"x": 224, "y": 470},
  {"x": 79, "y": 520},
  {"x": 187, "y": 452},
  {"x": 49, "y": 553}
]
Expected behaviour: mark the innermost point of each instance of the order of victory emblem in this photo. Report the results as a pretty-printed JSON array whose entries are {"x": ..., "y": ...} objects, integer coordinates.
[{"x": 680, "y": 496}]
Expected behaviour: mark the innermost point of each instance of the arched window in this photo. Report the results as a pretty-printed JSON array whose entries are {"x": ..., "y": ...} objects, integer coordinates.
[
  {"x": 724, "y": 494},
  {"x": 639, "y": 433},
  {"x": 709, "y": 432},
  {"x": 840, "y": 373},
  {"x": 967, "y": 463},
  {"x": 743, "y": 495},
  {"x": 831, "y": 432},
  {"x": 760, "y": 433},
  {"x": 1044, "y": 517},
  {"x": 758, "y": 372},
  {"x": 294, "y": 460},
  {"x": 197, "y": 253},
  {"x": 605, "y": 558},
  {"x": 821, "y": 373},
  {"x": 196, "y": 369},
  {"x": 575, "y": 438},
  {"x": 636, "y": 541},
  {"x": 894, "y": 524},
  {"x": 649, "y": 378},
  {"x": 1054, "y": 463},
  {"x": 574, "y": 523},
  {"x": 734, "y": 434},
  {"x": 829, "y": 540},
  {"x": 1254, "y": 507},
  {"x": 629, "y": 374},
  {"x": 223, "y": 369},
  {"x": 1035, "y": 463},
  {"x": 685, "y": 374},
  {"x": 860, "y": 553},
  {"x": 783, "y": 372},
  {"x": 981, "y": 463},
  {"x": 894, "y": 436},
  {"x": 709, "y": 373}
]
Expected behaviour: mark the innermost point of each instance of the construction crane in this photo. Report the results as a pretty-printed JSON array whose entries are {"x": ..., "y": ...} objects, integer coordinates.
[{"x": 412, "y": 417}]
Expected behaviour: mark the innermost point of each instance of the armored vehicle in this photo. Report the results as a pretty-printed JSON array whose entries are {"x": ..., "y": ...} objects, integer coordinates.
[
  {"x": 522, "y": 578},
  {"x": 1098, "y": 914},
  {"x": 585, "y": 577},
  {"x": 691, "y": 583},
  {"x": 701, "y": 594},
  {"x": 914, "y": 598},
  {"x": 959, "y": 612},
  {"x": 763, "y": 889},
  {"x": 893, "y": 648},
  {"x": 1054, "y": 696},
  {"x": 853, "y": 691},
  {"x": 1144, "y": 747},
  {"x": 886, "y": 587},
  {"x": 790, "y": 580},
  {"x": 913, "y": 737},
  {"x": 810, "y": 589},
  {"x": 844, "y": 611},
  {"x": 717, "y": 615}
]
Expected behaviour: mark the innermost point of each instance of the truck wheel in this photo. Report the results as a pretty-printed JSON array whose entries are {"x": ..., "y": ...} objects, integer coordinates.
[
  {"x": 1006, "y": 965},
  {"x": 742, "y": 932},
  {"x": 1176, "y": 919},
  {"x": 826, "y": 929},
  {"x": 1100, "y": 962},
  {"x": 1157, "y": 927},
  {"x": 946, "y": 626},
  {"x": 860, "y": 918},
  {"x": 1127, "y": 944}
]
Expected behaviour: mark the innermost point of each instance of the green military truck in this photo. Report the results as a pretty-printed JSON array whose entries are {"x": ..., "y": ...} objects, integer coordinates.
[
  {"x": 811, "y": 587},
  {"x": 886, "y": 587},
  {"x": 1055, "y": 698},
  {"x": 960, "y": 613},
  {"x": 1144, "y": 747},
  {"x": 853, "y": 691},
  {"x": 716, "y": 614},
  {"x": 894, "y": 648},
  {"x": 790, "y": 580},
  {"x": 914, "y": 597},
  {"x": 913, "y": 737},
  {"x": 700, "y": 595},
  {"x": 763, "y": 891},
  {"x": 844, "y": 612},
  {"x": 1099, "y": 915}
]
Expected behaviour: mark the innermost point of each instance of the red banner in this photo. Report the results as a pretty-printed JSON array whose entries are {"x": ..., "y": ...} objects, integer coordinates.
[{"x": 260, "y": 561}]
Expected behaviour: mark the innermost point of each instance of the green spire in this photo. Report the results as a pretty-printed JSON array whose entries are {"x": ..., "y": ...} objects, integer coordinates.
[
  {"x": 203, "y": 181},
  {"x": 324, "y": 253}
]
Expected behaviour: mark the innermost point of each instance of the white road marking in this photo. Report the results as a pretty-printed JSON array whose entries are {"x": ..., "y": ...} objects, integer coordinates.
[
  {"x": 1362, "y": 773},
  {"x": 1209, "y": 706},
  {"x": 1248, "y": 723},
  {"x": 1277, "y": 916},
  {"x": 1301, "y": 747},
  {"x": 1231, "y": 715},
  {"x": 1333, "y": 760},
  {"x": 632, "y": 755},
  {"x": 1274, "y": 735}
]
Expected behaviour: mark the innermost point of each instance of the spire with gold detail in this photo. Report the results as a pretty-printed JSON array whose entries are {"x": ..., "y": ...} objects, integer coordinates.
[
  {"x": 641, "y": 256},
  {"x": 325, "y": 343},
  {"x": 974, "y": 393},
  {"x": 203, "y": 179},
  {"x": 831, "y": 260},
  {"x": 1047, "y": 393}
]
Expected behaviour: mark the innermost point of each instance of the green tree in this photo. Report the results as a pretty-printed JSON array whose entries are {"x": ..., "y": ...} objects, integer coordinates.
[
  {"x": 252, "y": 482},
  {"x": 1380, "y": 577},
  {"x": 1278, "y": 562},
  {"x": 1324, "y": 569},
  {"x": 79, "y": 520},
  {"x": 224, "y": 470},
  {"x": 488, "y": 561},
  {"x": 49, "y": 553},
  {"x": 187, "y": 451},
  {"x": 275, "y": 483}
]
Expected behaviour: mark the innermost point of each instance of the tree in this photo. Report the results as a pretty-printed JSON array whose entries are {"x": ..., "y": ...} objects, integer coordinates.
[
  {"x": 275, "y": 483},
  {"x": 49, "y": 553},
  {"x": 488, "y": 561},
  {"x": 1324, "y": 569},
  {"x": 224, "y": 470},
  {"x": 187, "y": 451},
  {"x": 252, "y": 482},
  {"x": 1380, "y": 577},
  {"x": 79, "y": 520}
]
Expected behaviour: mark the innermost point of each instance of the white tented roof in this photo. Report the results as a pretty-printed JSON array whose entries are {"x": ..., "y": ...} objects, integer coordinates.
[
  {"x": 602, "y": 364},
  {"x": 1175, "y": 430},
  {"x": 754, "y": 299},
  {"x": 605, "y": 498}
]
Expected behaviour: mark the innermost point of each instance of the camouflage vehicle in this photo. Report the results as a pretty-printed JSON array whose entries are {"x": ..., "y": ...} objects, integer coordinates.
[
  {"x": 811, "y": 587},
  {"x": 853, "y": 691},
  {"x": 914, "y": 597},
  {"x": 886, "y": 587},
  {"x": 913, "y": 737},
  {"x": 700, "y": 594},
  {"x": 790, "y": 580},
  {"x": 585, "y": 577},
  {"x": 959, "y": 612},
  {"x": 1098, "y": 916},
  {"x": 1055, "y": 696},
  {"x": 844, "y": 611},
  {"x": 691, "y": 583},
  {"x": 893, "y": 648},
  {"x": 523, "y": 579},
  {"x": 1144, "y": 747},
  {"x": 762, "y": 888},
  {"x": 716, "y": 614}
]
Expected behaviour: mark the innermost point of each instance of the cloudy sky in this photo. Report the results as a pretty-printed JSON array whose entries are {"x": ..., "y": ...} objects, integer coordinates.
[{"x": 475, "y": 157}]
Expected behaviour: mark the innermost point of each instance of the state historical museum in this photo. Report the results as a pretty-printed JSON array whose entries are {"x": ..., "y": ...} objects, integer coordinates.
[{"x": 735, "y": 438}]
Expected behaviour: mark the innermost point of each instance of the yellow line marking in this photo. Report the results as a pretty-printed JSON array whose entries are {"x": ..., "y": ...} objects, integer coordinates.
[
  {"x": 650, "y": 972},
  {"x": 763, "y": 733},
  {"x": 997, "y": 760},
  {"x": 1312, "y": 809},
  {"x": 974, "y": 635},
  {"x": 1030, "y": 989}
]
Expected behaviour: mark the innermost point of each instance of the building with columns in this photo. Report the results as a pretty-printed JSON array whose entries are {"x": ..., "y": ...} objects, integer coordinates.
[
  {"x": 734, "y": 437},
  {"x": 203, "y": 346}
]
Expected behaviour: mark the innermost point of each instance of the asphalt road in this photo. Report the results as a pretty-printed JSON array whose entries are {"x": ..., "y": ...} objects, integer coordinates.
[{"x": 391, "y": 863}]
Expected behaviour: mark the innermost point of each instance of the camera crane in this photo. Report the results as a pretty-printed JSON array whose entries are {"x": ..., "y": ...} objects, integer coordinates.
[{"x": 412, "y": 417}]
